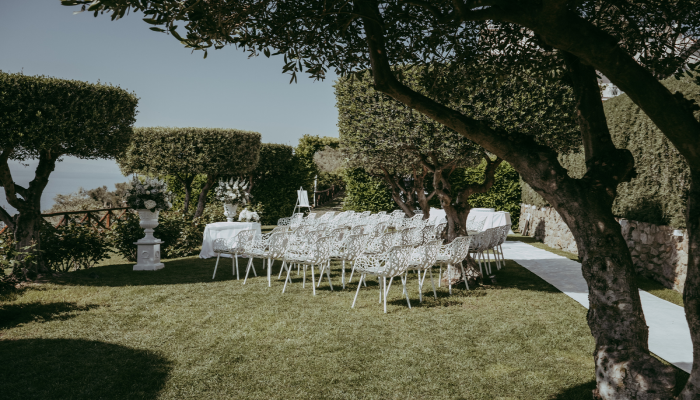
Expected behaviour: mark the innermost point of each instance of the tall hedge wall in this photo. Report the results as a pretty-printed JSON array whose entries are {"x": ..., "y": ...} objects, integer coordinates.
[
  {"x": 657, "y": 195},
  {"x": 364, "y": 192},
  {"x": 275, "y": 182}
]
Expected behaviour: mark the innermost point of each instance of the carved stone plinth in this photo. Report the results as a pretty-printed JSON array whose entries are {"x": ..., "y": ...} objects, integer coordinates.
[{"x": 148, "y": 255}]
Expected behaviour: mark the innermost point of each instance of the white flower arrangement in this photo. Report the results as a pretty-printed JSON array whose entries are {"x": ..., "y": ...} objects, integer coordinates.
[
  {"x": 234, "y": 193},
  {"x": 248, "y": 216},
  {"x": 149, "y": 193}
]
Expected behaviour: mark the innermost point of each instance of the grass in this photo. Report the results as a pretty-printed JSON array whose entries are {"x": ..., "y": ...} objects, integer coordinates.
[
  {"x": 643, "y": 282},
  {"x": 113, "y": 333}
]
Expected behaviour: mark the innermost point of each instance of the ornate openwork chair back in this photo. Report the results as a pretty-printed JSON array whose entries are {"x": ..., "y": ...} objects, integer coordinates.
[
  {"x": 476, "y": 225},
  {"x": 428, "y": 234},
  {"x": 378, "y": 229},
  {"x": 412, "y": 236},
  {"x": 397, "y": 261},
  {"x": 241, "y": 241},
  {"x": 382, "y": 243},
  {"x": 459, "y": 248},
  {"x": 320, "y": 251},
  {"x": 353, "y": 246},
  {"x": 357, "y": 230},
  {"x": 221, "y": 246},
  {"x": 278, "y": 245}
]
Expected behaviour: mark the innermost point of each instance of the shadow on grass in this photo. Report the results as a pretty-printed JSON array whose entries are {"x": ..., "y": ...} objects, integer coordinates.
[
  {"x": 12, "y": 315},
  {"x": 583, "y": 391},
  {"x": 176, "y": 271},
  {"x": 79, "y": 369}
]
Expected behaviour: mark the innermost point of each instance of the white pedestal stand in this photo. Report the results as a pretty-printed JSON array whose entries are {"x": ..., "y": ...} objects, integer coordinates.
[
  {"x": 148, "y": 247},
  {"x": 148, "y": 256}
]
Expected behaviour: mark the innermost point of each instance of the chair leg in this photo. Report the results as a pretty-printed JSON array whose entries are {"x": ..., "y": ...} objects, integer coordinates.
[
  {"x": 289, "y": 271},
  {"x": 253, "y": 265},
  {"x": 247, "y": 270},
  {"x": 343, "y": 275},
  {"x": 420, "y": 286},
  {"x": 269, "y": 272},
  {"x": 440, "y": 276},
  {"x": 328, "y": 273},
  {"x": 303, "y": 281},
  {"x": 403, "y": 281},
  {"x": 235, "y": 259},
  {"x": 284, "y": 264},
  {"x": 449, "y": 281},
  {"x": 477, "y": 260},
  {"x": 384, "y": 285},
  {"x": 489, "y": 258},
  {"x": 359, "y": 285},
  {"x": 466, "y": 283},
  {"x": 313, "y": 276},
  {"x": 432, "y": 282},
  {"x": 352, "y": 271},
  {"x": 216, "y": 265}
]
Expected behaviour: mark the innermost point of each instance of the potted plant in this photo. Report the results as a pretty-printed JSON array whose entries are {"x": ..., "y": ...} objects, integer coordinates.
[
  {"x": 232, "y": 194},
  {"x": 148, "y": 196}
]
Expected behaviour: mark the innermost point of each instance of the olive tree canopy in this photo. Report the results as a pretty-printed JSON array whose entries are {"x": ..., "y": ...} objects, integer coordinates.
[
  {"x": 185, "y": 153},
  {"x": 45, "y": 118},
  {"x": 633, "y": 43}
]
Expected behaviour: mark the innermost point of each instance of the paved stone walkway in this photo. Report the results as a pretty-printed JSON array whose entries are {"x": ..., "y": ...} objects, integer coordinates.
[{"x": 669, "y": 336}]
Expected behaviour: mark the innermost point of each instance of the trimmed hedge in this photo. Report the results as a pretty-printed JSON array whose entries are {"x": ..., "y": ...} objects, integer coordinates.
[
  {"x": 366, "y": 193},
  {"x": 658, "y": 194},
  {"x": 504, "y": 195},
  {"x": 276, "y": 179}
]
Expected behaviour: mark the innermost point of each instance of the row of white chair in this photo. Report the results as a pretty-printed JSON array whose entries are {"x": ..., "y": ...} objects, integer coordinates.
[{"x": 370, "y": 248}]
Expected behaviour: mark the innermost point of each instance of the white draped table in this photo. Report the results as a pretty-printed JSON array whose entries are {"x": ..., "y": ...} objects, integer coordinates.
[
  {"x": 223, "y": 230},
  {"x": 492, "y": 218}
]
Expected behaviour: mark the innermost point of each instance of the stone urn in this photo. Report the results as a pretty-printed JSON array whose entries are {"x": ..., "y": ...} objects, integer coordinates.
[
  {"x": 148, "y": 247},
  {"x": 230, "y": 211}
]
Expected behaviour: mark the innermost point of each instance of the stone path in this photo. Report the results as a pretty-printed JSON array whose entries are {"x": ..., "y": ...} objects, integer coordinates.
[{"x": 669, "y": 336}]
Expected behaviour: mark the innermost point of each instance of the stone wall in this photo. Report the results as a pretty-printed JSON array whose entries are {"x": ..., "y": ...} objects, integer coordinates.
[{"x": 658, "y": 252}]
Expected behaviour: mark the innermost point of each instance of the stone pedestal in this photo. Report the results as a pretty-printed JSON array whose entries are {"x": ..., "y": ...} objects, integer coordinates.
[{"x": 148, "y": 255}]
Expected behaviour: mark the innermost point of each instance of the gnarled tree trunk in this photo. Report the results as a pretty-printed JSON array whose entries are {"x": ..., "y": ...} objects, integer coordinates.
[
  {"x": 691, "y": 291},
  {"x": 624, "y": 367},
  {"x": 202, "y": 200}
]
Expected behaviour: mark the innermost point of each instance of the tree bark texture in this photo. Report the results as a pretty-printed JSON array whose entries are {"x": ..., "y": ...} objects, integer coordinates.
[
  {"x": 187, "y": 184},
  {"x": 456, "y": 203},
  {"x": 624, "y": 367},
  {"x": 202, "y": 200},
  {"x": 691, "y": 291},
  {"x": 27, "y": 223}
]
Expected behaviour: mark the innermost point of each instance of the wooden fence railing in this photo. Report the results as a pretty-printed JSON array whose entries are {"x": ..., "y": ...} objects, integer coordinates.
[
  {"x": 93, "y": 217},
  {"x": 324, "y": 196}
]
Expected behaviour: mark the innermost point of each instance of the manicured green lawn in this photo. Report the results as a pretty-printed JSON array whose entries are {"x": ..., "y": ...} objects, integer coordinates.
[{"x": 114, "y": 333}]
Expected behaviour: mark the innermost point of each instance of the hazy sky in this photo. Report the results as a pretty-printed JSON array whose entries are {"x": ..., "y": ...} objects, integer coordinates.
[{"x": 176, "y": 87}]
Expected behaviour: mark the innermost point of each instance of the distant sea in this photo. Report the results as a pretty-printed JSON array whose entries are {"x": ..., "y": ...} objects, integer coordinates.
[{"x": 69, "y": 175}]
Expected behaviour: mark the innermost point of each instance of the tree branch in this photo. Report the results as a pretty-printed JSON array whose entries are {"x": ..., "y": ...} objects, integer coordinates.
[{"x": 7, "y": 219}]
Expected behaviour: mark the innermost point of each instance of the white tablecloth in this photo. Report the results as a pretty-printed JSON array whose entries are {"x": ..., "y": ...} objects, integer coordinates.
[
  {"x": 223, "y": 230},
  {"x": 493, "y": 218}
]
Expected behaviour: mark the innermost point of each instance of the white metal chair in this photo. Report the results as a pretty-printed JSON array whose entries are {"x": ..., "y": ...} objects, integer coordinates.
[
  {"x": 386, "y": 265},
  {"x": 347, "y": 250},
  {"x": 475, "y": 225},
  {"x": 314, "y": 253},
  {"x": 452, "y": 254},
  {"x": 411, "y": 236},
  {"x": 233, "y": 246},
  {"x": 271, "y": 248},
  {"x": 292, "y": 221},
  {"x": 422, "y": 260}
]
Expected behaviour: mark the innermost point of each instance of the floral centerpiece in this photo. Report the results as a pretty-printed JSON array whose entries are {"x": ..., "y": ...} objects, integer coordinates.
[
  {"x": 147, "y": 193},
  {"x": 148, "y": 196},
  {"x": 248, "y": 216},
  {"x": 232, "y": 194}
]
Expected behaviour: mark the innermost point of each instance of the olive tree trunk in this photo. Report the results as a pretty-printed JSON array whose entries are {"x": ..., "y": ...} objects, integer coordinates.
[
  {"x": 624, "y": 367},
  {"x": 202, "y": 200},
  {"x": 691, "y": 291},
  {"x": 27, "y": 223}
]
